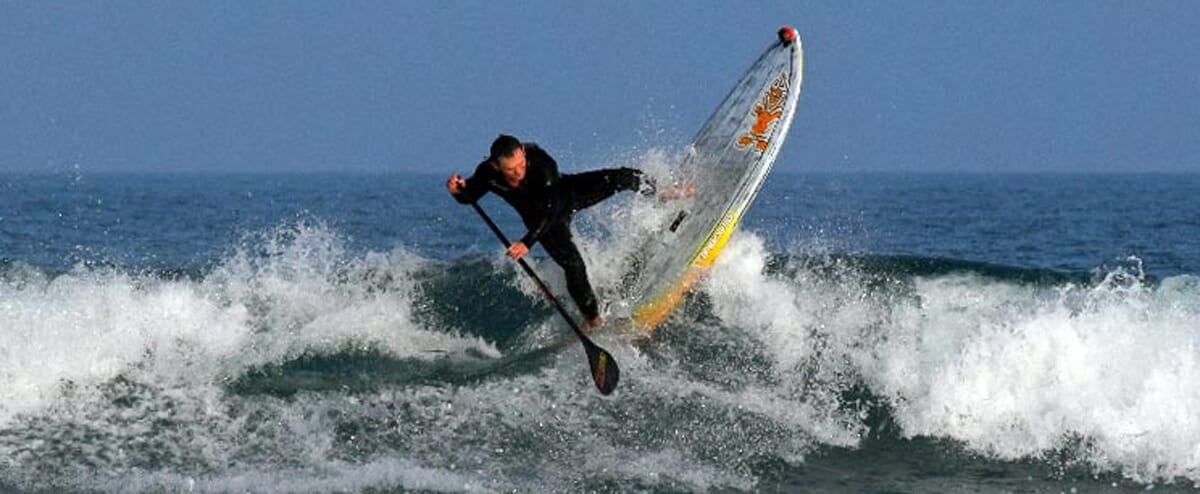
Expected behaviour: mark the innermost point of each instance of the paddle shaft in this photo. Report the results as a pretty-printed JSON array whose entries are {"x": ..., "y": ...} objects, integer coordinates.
[
  {"x": 605, "y": 372},
  {"x": 529, "y": 271}
]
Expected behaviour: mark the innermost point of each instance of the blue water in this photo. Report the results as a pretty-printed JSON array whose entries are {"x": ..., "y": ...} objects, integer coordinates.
[{"x": 342, "y": 332}]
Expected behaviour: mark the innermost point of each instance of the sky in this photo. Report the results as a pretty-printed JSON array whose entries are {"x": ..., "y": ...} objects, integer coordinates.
[{"x": 931, "y": 86}]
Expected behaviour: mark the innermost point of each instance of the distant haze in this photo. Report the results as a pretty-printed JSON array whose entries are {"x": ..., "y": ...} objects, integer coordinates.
[{"x": 1073, "y": 86}]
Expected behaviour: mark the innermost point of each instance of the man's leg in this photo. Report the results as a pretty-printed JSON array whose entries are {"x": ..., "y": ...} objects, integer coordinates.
[
  {"x": 558, "y": 243},
  {"x": 588, "y": 188}
]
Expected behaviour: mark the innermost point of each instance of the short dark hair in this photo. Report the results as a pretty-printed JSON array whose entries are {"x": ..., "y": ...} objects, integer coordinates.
[{"x": 503, "y": 147}]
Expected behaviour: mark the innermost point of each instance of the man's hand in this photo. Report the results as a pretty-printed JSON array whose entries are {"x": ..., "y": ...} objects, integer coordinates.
[
  {"x": 517, "y": 250},
  {"x": 456, "y": 184}
]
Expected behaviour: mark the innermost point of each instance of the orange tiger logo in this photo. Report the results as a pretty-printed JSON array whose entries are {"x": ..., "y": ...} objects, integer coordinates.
[{"x": 768, "y": 110}]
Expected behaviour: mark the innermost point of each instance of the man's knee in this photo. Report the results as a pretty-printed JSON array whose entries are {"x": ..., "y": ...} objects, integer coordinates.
[{"x": 572, "y": 264}]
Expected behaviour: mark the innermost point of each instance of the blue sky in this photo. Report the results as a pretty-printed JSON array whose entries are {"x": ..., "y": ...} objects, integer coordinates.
[{"x": 389, "y": 86}]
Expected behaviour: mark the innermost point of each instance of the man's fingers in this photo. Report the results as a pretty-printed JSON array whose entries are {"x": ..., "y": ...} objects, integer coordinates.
[{"x": 455, "y": 184}]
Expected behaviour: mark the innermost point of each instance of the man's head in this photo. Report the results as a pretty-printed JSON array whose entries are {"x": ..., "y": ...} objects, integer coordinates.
[{"x": 508, "y": 156}]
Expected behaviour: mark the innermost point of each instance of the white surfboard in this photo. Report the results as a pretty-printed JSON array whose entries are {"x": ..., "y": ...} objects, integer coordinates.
[{"x": 727, "y": 162}]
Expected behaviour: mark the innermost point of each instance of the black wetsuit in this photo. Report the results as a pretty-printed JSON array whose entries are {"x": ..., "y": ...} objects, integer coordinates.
[{"x": 547, "y": 202}]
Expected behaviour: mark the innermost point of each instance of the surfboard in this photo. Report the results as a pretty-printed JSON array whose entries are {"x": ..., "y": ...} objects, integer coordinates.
[{"x": 727, "y": 163}]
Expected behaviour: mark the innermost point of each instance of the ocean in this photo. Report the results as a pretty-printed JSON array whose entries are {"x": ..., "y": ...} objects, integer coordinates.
[{"x": 342, "y": 332}]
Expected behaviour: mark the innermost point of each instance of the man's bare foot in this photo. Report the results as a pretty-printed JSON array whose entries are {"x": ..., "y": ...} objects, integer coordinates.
[
  {"x": 594, "y": 323},
  {"x": 677, "y": 191}
]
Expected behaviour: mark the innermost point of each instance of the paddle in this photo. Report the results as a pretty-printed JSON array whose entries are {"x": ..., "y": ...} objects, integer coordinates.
[{"x": 605, "y": 372}]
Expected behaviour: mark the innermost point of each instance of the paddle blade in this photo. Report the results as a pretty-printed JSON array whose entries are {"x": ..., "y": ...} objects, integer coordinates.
[{"x": 605, "y": 372}]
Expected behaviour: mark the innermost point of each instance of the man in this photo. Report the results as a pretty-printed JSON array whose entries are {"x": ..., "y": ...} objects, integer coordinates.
[{"x": 528, "y": 179}]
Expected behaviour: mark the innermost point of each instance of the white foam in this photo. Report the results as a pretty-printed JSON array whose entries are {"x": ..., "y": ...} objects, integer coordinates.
[
  {"x": 1009, "y": 370},
  {"x": 306, "y": 295},
  {"x": 1015, "y": 371},
  {"x": 771, "y": 309},
  {"x": 88, "y": 327}
]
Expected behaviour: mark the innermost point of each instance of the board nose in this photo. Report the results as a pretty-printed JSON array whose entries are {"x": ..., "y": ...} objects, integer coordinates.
[{"x": 787, "y": 35}]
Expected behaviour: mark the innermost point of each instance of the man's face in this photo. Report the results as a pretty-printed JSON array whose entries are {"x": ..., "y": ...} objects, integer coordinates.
[{"x": 512, "y": 167}]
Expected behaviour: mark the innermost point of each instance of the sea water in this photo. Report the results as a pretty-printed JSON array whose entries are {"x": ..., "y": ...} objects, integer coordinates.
[{"x": 363, "y": 333}]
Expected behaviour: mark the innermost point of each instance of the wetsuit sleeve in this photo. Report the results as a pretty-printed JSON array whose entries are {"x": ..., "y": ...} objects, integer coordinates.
[
  {"x": 477, "y": 184},
  {"x": 546, "y": 185}
]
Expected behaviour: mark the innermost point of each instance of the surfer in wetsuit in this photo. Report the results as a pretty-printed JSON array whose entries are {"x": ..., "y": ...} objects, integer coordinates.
[{"x": 527, "y": 178}]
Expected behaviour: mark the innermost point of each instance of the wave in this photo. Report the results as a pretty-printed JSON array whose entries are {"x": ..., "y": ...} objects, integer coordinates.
[
  {"x": 293, "y": 364},
  {"x": 904, "y": 266},
  {"x": 291, "y": 293},
  {"x": 1012, "y": 364}
]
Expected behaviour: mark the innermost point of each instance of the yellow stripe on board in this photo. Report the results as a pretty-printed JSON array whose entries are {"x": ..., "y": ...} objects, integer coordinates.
[
  {"x": 718, "y": 238},
  {"x": 649, "y": 315}
]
